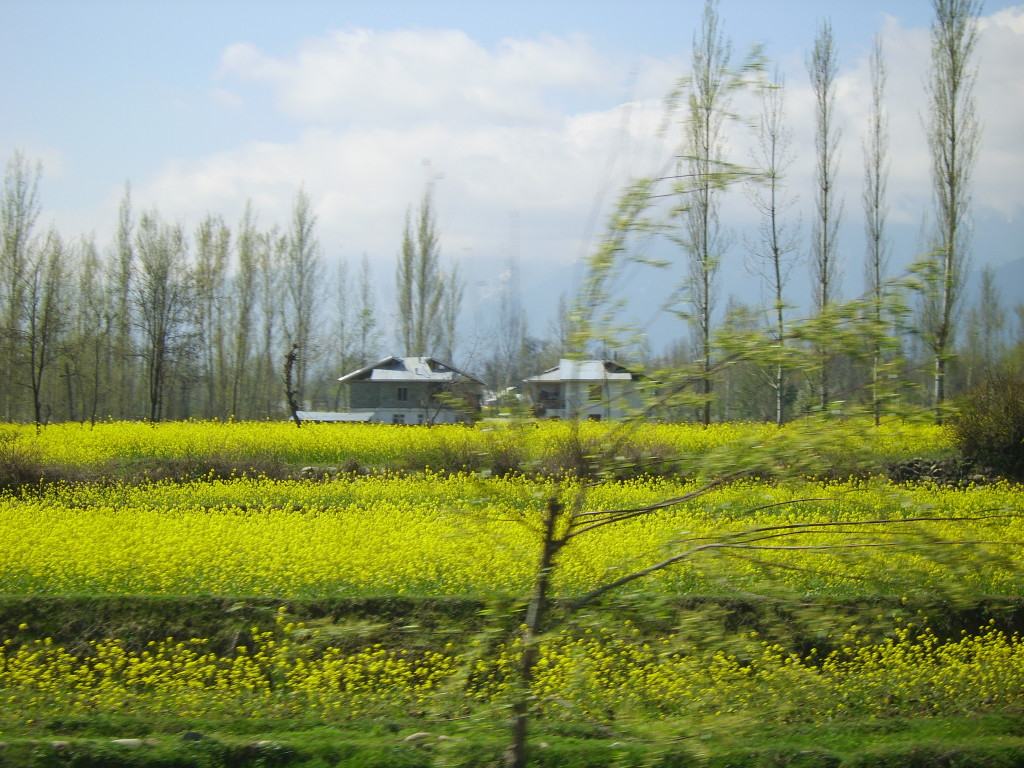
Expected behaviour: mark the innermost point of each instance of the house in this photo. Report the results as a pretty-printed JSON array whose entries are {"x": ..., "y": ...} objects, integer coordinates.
[
  {"x": 412, "y": 390},
  {"x": 585, "y": 389}
]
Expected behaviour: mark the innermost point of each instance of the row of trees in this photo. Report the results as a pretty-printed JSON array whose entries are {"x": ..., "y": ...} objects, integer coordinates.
[
  {"x": 163, "y": 323},
  {"x": 906, "y": 326}
]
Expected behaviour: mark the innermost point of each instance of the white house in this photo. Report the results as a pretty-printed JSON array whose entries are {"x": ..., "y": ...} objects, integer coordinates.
[
  {"x": 585, "y": 389},
  {"x": 411, "y": 390}
]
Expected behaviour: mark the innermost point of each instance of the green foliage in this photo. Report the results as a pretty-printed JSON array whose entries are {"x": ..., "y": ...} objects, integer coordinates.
[
  {"x": 989, "y": 427},
  {"x": 965, "y": 742}
]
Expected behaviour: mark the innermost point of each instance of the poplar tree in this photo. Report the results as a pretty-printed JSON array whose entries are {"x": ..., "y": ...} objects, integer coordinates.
[
  {"x": 704, "y": 164},
  {"x": 366, "y": 326},
  {"x": 162, "y": 293},
  {"x": 244, "y": 291},
  {"x": 451, "y": 307},
  {"x": 45, "y": 318},
  {"x": 825, "y": 270},
  {"x": 270, "y": 256},
  {"x": 419, "y": 282},
  {"x": 953, "y": 134},
  {"x": 303, "y": 277},
  {"x": 213, "y": 241},
  {"x": 771, "y": 252},
  {"x": 986, "y": 325},
  {"x": 19, "y": 209},
  {"x": 122, "y": 267},
  {"x": 87, "y": 346},
  {"x": 876, "y": 176}
]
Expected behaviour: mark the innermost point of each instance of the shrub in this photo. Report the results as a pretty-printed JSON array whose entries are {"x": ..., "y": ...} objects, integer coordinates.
[
  {"x": 505, "y": 450},
  {"x": 22, "y": 465},
  {"x": 17, "y": 465},
  {"x": 989, "y": 426}
]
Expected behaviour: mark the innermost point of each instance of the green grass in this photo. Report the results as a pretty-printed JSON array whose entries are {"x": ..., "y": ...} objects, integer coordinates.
[
  {"x": 995, "y": 741},
  {"x": 430, "y": 623}
]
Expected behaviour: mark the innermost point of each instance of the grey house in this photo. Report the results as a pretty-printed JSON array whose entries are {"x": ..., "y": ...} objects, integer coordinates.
[
  {"x": 412, "y": 390},
  {"x": 586, "y": 389}
]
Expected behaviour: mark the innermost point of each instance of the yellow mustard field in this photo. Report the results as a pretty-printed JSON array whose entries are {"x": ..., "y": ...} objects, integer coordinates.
[
  {"x": 443, "y": 533},
  {"x": 594, "y": 675},
  {"x": 436, "y": 535},
  {"x": 384, "y": 445}
]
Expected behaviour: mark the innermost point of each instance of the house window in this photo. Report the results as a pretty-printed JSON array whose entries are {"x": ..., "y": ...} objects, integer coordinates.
[
  {"x": 596, "y": 392},
  {"x": 398, "y": 418},
  {"x": 403, "y": 393}
]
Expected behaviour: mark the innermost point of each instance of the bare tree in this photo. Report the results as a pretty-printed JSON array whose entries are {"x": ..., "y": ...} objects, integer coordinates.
[
  {"x": 564, "y": 519},
  {"x": 453, "y": 287},
  {"x": 367, "y": 326},
  {"x": 269, "y": 258},
  {"x": 419, "y": 282},
  {"x": 986, "y": 323},
  {"x": 953, "y": 135},
  {"x": 212, "y": 255},
  {"x": 45, "y": 315},
  {"x": 825, "y": 268},
  {"x": 244, "y": 305},
  {"x": 291, "y": 391},
  {"x": 347, "y": 338},
  {"x": 771, "y": 253},
  {"x": 561, "y": 340},
  {"x": 302, "y": 275},
  {"x": 18, "y": 213},
  {"x": 161, "y": 294},
  {"x": 703, "y": 162},
  {"x": 876, "y": 176},
  {"x": 122, "y": 267},
  {"x": 86, "y": 351},
  {"x": 506, "y": 362}
]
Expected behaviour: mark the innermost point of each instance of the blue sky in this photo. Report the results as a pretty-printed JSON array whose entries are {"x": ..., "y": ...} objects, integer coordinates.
[{"x": 517, "y": 108}]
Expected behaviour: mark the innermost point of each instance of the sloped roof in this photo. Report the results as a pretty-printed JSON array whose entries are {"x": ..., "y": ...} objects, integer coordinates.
[
  {"x": 585, "y": 370},
  {"x": 410, "y": 369},
  {"x": 332, "y": 416}
]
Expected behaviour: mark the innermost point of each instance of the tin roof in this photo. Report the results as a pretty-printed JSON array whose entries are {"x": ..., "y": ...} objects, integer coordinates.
[
  {"x": 585, "y": 370},
  {"x": 333, "y": 416},
  {"x": 409, "y": 369}
]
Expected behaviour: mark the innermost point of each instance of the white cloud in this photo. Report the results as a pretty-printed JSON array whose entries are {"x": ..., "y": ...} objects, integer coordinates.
[
  {"x": 1000, "y": 95},
  {"x": 363, "y": 179},
  {"x": 372, "y": 106},
  {"x": 376, "y": 106},
  {"x": 364, "y": 77},
  {"x": 1000, "y": 106}
]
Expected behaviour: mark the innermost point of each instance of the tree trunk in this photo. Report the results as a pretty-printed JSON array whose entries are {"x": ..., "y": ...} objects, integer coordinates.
[{"x": 536, "y": 613}]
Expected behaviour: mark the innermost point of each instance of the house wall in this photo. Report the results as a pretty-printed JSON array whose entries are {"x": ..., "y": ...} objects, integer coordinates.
[
  {"x": 415, "y": 416},
  {"x": 379, "y": 394},
  {"x": 614, "y": 399},
  {"x": 362, "y": 395},
  {"x": 383, "y": 399}
]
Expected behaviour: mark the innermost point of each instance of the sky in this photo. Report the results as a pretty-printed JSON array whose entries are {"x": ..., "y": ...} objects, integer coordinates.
[{"x": 526, "y": 118}]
